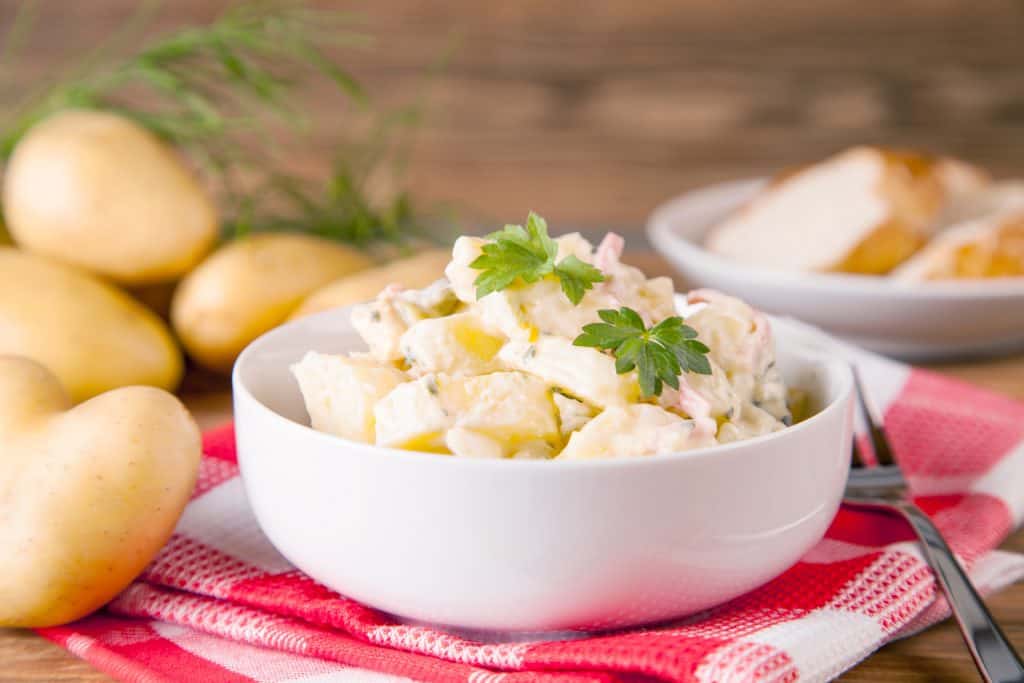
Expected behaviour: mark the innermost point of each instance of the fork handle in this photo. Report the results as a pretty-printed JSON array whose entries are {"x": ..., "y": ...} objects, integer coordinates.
[{"x": 996, "y": 659}]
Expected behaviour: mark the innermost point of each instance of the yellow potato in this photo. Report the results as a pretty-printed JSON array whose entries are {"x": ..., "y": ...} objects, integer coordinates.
[
  {"x": 88, "y": 495},
  {"x": 93, "y": 336},
  {"x": 250, "y": 286},
  {"x": 98, "y": 191},
  {"x": 415, "y": 272}
]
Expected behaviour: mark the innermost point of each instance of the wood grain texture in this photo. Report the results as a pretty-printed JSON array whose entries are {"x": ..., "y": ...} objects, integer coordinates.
[
  {"x": 592, "y": 113},
  {"x": 595, "y": 112}
]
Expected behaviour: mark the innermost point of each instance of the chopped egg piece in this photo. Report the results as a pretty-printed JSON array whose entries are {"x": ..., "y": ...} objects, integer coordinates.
[{"x": 340, "y": 392}]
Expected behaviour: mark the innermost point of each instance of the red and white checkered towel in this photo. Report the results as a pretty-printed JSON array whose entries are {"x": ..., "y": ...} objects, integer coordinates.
[{"x": 220, "y": 604}]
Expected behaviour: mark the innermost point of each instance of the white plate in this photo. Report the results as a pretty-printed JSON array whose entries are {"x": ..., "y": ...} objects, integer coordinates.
[
  {"x": 535, "y": 546},
  {"x": 910, "y": 320}
]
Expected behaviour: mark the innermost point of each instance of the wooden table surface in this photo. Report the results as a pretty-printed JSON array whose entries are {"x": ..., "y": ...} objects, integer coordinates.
[{"x": 936, "y": 655}]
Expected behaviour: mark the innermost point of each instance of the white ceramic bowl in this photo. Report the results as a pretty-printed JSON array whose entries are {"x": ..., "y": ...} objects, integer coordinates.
[
  {"x": 910, "y": 320},
  {"x": 533, "y": 545}
]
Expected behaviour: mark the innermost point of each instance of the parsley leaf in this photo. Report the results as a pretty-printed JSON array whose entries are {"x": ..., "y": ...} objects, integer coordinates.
[
  {"x": 528, "y": 254},
  {"x": 659, "y": 354},
  {"x": 576, "y": 277}
]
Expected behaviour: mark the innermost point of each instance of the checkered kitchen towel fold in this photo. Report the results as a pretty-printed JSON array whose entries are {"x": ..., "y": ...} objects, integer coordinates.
[{"x": 220, "y": 604}]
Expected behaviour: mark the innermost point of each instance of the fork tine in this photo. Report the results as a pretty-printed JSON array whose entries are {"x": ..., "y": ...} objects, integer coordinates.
[
  {"x": 879, "y": 440},
  {"x": 856, "y": 457}
]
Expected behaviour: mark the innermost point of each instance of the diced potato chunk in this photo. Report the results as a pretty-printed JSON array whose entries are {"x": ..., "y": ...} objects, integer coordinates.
[
  {"x": 455, "y": 344},
  {"x": 511, "y": 407},
  {"x": 635, "y": 430},
  {"x": 572, "y": 414},
  {"x": 752, "y": 421},
  {"x": 580, "y": 371},
  {"x": 534, "y": 450},
  {"x": 381, "y": 325},
  {"x": 382, "y": 322},
  {"x": 340, "y": 392},
  {"x": 716, "y": 394},
  {"x": 469, "y": 443},
  {"x": 459, "y": 274},
  {"x": 413, "y": 416}
]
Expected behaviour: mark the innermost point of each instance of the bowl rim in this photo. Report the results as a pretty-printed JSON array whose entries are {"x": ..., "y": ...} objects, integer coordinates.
[
  {"x": 833, "y": 364},
  {"x": 663, "y": 233}
]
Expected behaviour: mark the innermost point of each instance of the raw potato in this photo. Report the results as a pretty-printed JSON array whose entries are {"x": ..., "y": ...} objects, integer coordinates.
[
  {"x": 99, "y": 191},
  {"x": 93, "y": 336},
  {"x": 88, "y": 495},
  {"x": 414, "y": 272},
  {"x": 250, "y": 286}
]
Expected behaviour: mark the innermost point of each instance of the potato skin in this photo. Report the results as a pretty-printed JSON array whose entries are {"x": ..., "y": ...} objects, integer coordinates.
[
  {"x": 93, "y": 336},
  {"x": 414, "y": 272},
  {"x": 88, "y": 495},
  {"x": 98, "y": 191},
  {"x": 250, "y": 286}
]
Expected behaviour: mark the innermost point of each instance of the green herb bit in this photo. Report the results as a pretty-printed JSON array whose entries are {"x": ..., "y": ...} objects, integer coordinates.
[
  {"x": 229, "y": 95},
  {"x": 528, "y": 254},
  {"x": 659, "y": 354}
]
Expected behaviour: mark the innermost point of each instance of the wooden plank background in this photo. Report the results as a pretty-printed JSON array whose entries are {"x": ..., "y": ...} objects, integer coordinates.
[{"x": 592, "y": 112}]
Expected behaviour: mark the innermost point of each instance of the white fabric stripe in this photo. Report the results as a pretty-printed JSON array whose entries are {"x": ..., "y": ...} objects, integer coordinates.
[
  {"x": 989, "y": 573},
  {"x": 79, "y": 645},
  {"x": 733, "y": 664},
  {"x": 823, "y": 643},
  {"x": 446, "y": 646},
  {"x": 221, "y": 518},
  {"x": 939, "y": 486},
  {"x": 1006, "y": 481},
  {"x": 267, "y": 666}
]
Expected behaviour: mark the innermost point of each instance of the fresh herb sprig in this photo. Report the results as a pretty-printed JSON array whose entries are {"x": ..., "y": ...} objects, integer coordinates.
[
  {"x": 659, "y": 354},
  {"x": 528, "y": 254},
  {"x": 230, "y": 95}
]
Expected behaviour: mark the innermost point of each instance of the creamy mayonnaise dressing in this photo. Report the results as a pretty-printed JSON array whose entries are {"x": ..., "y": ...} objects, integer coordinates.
[{"x": 499, "y": 377}]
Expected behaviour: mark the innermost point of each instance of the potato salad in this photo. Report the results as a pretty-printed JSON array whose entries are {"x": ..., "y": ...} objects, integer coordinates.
[{"x": 535, "y": 347}]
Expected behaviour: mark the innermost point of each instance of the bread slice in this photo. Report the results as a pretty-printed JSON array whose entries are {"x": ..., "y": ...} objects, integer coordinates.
[
  {"x": 988, "y": 247},
  {"x": 865, "y": 210},
  {"x": 997, "y": 198}
]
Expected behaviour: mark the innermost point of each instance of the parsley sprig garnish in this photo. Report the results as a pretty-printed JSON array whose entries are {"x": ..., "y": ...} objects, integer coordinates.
[
  {"x": 528, "y": 254},
  {"x": 659, "y": 354}
]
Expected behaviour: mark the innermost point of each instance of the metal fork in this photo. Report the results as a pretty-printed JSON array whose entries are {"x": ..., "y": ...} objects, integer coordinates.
[{"x": 883, "y": 487}]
